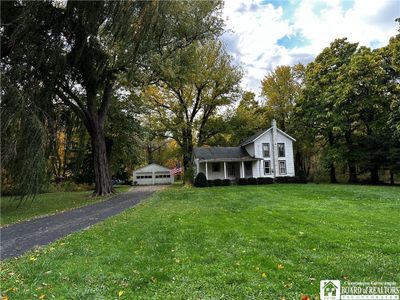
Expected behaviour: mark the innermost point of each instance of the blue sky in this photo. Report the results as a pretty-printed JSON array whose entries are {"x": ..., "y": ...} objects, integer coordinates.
[{"x": 263, "y": 34}]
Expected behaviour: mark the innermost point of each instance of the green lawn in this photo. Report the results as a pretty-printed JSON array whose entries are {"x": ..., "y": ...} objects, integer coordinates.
[
  {"x": 44, "y": 204},
  {"x": 239, "y": 242}
]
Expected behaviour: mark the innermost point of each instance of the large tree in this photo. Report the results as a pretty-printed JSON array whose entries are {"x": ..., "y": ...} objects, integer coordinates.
[
  {"x": 77, "y": 51},
  {"x": 281, "y": 89},
  {"x": 316, "y": 110},
  {"x": 191, "y": 87}
]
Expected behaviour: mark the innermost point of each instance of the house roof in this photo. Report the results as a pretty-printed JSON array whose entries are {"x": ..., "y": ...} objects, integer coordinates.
[
  {"x": 260, "y": 133},
  {"x": 218, "y": 153},
  {"x": 151, "y": 168}
]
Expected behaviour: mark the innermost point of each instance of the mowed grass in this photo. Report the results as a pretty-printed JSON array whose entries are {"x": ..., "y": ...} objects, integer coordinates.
[
  {"x": 45, "y": 204},
  {"x": 240, "y": 242}
]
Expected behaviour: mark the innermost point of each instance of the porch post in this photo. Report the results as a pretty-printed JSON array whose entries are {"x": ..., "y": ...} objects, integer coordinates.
[
  {"x": 224, "y": 169},
  {"x": 206, "y": 170},
  {"x": 243, "y": 175}
]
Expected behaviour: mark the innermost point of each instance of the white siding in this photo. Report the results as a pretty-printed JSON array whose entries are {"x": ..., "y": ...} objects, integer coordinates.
[
  {"x": 267, "y": 138},
  {"x": 155, "y": 174}
]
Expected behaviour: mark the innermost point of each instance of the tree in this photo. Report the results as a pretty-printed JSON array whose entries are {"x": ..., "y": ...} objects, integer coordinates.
[
  {"x": 315, "y": 109},
  {"x": 281, "y": 89},
  {"x": 192, "y": 85},
  {"x": 245, "y": 120},
  {"x": 78, "y": 51}
]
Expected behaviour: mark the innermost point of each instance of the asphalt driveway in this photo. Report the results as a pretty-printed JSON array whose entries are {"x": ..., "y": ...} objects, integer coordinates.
[{"x": 19, "y": 238}]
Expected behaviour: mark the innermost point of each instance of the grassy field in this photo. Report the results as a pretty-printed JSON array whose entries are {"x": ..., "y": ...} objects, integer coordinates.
[
  {"x": 240, "y": 242},
  {"x": 44, "y": 204}
]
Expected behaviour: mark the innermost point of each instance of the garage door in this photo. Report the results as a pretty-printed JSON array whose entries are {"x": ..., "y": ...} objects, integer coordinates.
[
  {"x": 162, "y": 178},
  {"x": 144, "y": 178}
]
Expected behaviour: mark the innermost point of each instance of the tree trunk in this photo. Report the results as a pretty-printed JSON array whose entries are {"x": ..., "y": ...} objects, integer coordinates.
[
  {"x": 352, "y": 172},
  {"x": 391, "y": 177},
  {"x": 332, "y": 173},
  {"x": 101, "y": 167},
  {"x": 187, "y": 152},
  {"x": 375, "y": 174}
]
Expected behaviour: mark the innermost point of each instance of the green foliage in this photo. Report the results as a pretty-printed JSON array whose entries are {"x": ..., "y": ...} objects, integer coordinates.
[
  {"x": 242, "y": 181},
  {"x": 265, "y": 180},
  {"x": 188, "y": 175},
  {"x": 281, "y": 90},
  {"x": 226, "y": 182},
  {"x": 252, "y": 181},
  {"x": 200, "y": 180}
]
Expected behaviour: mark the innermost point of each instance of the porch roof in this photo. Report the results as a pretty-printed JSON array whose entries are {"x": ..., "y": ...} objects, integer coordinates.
[{"x": 222, "y": 154}]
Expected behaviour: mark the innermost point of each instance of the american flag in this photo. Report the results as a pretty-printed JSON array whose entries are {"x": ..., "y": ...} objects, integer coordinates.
[{"x": 177, "y": 170}]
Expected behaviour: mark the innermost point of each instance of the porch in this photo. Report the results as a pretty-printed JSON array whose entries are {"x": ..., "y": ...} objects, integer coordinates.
[{"x": 231, "y": 170}]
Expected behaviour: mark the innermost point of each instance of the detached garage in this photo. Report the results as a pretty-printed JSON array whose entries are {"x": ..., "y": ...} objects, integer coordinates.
[{"x": 152, "y": 174}]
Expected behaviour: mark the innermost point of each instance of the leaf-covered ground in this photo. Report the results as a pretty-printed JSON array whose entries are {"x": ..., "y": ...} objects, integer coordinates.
[
  {"x": 239, "y": 242},
  {"x": 44, "y": 204}
]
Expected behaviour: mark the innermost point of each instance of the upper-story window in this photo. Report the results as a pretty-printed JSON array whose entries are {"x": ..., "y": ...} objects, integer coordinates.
[
  {"x": 281, "y": 149},
  {"x": 265, "y": 149}
]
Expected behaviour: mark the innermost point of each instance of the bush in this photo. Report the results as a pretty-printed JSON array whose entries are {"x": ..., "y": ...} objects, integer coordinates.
[
  {"x": 252, "y": 180},
  {"x": 217, "y": 182},
  {"x": 210, "y": 182},
  {"x": 287, "y": 179},
  {"x": 242, "y": 181},
  {"x": 281, "y": 179},
  {"x": 200, "y": 180},
  {"x": 188, "y": 175},
  {"x": 265, "y": 180},
  {"x": 301, "y": 176},
  {"x": 226, "y": 182}
]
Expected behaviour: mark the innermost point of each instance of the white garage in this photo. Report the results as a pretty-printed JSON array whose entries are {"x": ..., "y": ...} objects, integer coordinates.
[{"x": 152, "y": 174}]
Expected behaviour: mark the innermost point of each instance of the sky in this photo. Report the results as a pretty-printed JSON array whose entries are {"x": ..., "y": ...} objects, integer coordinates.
[{"x": 263, "y": 34}]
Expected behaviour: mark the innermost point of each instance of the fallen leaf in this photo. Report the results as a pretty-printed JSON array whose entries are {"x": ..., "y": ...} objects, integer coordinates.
[
  {"x": 41, "y": 297},
  {"x": 305, "y": 297},
  {"x": 120, "y": 293},
  {"x": 264, "y": 275},
  {"x": 280, "y": 266},
  {"x": 32, "y": 258}
]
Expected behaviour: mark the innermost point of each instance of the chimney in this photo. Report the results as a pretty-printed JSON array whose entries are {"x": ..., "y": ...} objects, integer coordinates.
[{"x": 274, "y": 147}]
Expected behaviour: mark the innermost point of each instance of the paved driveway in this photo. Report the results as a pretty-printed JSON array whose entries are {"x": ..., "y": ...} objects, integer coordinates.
[{"x": 19, "y": 238}]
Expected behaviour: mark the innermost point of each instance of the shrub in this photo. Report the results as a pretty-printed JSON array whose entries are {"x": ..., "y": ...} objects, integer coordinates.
[
  {"x": 252, "y": 180},
  {"x": 301, "y": 176},
  {"x": 200, "y": 180},
  {"x": 188, "y": 175},
  {"x": 242, "y": 181},
  {"x": 281, "y": 179},
  {"x": 210, "y": 182},
  {"x": 265, "y": 180},
  {"x": 217, "y": 182},
  {"x": 226, "y": 182}
]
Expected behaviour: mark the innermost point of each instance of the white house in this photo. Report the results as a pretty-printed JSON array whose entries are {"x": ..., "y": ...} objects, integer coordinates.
[
  {"x": 152, "y": 174},
  {"x": 268, "y": 153}
]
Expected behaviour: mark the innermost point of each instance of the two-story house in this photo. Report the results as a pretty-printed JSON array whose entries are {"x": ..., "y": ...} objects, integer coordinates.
[{"x": 268, "y": 153}]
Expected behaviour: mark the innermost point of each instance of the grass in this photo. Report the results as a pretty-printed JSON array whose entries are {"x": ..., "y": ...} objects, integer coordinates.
[
  {"x": 45, "y": 204},
  {"x": 240, "y": 242}
]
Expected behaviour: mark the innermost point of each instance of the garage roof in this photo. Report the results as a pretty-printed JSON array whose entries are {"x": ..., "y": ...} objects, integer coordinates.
[{"x": 151, "y": 168}]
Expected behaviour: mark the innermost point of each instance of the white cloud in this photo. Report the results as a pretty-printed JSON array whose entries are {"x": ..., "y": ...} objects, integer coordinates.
[{"x": 257, "y": 26}]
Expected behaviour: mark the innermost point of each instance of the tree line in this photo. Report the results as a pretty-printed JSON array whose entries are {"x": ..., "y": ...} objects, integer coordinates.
[{"x": 92, "y": 89}]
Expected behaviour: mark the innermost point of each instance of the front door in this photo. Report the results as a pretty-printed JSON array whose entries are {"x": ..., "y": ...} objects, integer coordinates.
[{"x": 248, "y": 169}]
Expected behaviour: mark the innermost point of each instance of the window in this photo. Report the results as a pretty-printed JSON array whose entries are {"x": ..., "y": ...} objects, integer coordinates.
[
  {"x": 282, "y": 167},
  {"x": 281, "y": 150},
  {"x": 267, "y": 167},
  {"x": 215, "y": 167},
  {"x": 265, "y": 148}
]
